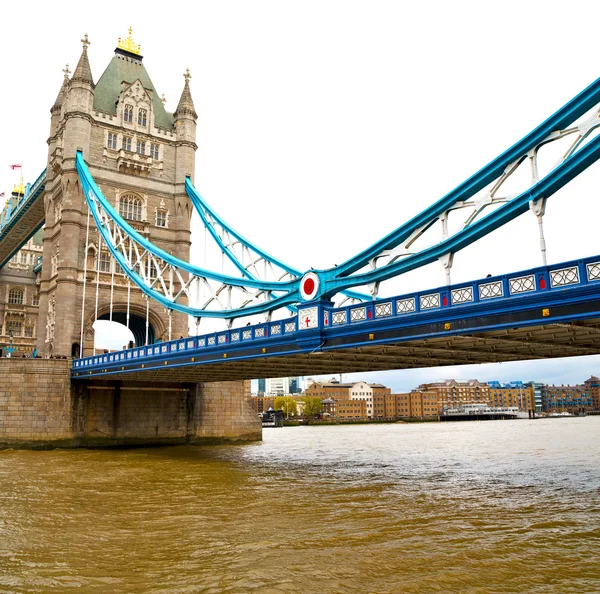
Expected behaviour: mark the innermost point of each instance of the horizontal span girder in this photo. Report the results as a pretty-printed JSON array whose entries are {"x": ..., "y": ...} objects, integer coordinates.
[
  {"x": 541, "y": 313},
  {"x": 534, "y": 342}
]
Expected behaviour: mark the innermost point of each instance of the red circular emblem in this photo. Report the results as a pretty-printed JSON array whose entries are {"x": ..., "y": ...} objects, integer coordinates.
[{"x": 308, "y": 286}]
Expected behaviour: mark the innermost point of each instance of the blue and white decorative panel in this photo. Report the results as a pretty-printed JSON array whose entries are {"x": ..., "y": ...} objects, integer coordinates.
[
  {"x": 157, "y": 350},
  {"x": 259, "y": 333},
  {"x": 522, "y": 284},
  {"x": 202, "y": 342},
  {"x": 383, "y": 310},
  {"x": 235, "y": 336},
  {"x": 308, "y": 318},
  {"x": 173, "y": 348},
  {"x": 211, "y": 341},
  {"x": 358, "y": 314},
  {"x": 430, "y": 301},
  {"x": 491, "y": 290},
  {"x": 222, "y": 339},
  {"x": 190, "y": 344},
  {"x": 181, "y": 346},
  {"x": 135, "y": 354},
  {"x": 463, "y": 295},
  {"x": 246, "y": 334},
  {"x": 593, "y": 271},
  {"x": 275, "y": 329},
  {"x": 290, "y": 327},
  {"x": 564, "y": 276},
  {"x": 339, "y": 317},
  {"x": 164, "y": 348},
  {"x": 129, "y": 355},
  {"x": 405, "y": 305}
]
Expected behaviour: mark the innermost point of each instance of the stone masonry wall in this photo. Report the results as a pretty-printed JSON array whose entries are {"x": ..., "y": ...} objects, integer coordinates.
[
  {"x": 35, "y": 402},
  {"x": 222, "y": 412},
  {"x": 40, "y": 407}
]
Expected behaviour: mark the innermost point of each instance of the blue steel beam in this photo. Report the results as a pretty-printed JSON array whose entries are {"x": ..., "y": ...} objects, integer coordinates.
[
  {"x": 545, "y": 188},
  {"x": 565, "y": 116},
  {"x": 202, "y": 208},
  {"x": 554, "y": 294},
  {"x": 10, "y": 219}
]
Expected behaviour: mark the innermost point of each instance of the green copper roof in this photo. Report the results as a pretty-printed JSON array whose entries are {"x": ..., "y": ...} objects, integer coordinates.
[{"x": 108, "y": 88}]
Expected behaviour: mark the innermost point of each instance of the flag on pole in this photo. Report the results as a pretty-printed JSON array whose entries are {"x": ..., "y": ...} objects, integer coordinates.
[{"x": 16, "y": 166}]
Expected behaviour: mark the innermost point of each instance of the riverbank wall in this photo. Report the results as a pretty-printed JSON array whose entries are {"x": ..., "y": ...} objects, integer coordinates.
[{"x": 40, "y": 407}]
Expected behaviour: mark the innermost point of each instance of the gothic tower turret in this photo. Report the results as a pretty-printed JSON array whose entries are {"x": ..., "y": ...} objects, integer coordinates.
[
  {"x": 139, "y": 155},
  {"x": 185, "y": 128}
]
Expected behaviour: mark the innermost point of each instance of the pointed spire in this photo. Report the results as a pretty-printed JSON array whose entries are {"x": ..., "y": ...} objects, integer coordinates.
[
  {"x": 63, "y": 89},
  {"x": 83, "y": 72},
  {"x": 186, "y": 104}
]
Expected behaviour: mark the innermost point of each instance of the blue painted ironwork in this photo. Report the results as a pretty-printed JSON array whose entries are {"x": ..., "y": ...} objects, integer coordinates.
[
  {"x": 567, "y": 283},
  {"x": 116, "y": 231},
  {"x": 10, "y": 216},
  {"x": 226, "y": 238}
]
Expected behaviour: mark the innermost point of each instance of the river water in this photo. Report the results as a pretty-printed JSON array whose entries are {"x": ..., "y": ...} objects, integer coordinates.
[{"x": 494, "y": 506}]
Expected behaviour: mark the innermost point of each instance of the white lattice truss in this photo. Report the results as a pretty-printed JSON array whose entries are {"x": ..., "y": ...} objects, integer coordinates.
[{"x": 201, "y": 293}]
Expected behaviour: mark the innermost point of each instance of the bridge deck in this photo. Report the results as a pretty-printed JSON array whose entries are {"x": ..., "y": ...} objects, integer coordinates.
[
  {"x": 527, "y": 343},
  {"x": 541, "y": 313}
]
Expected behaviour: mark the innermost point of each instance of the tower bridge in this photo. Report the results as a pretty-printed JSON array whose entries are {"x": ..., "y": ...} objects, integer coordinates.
[{"x": 116, "y": 199}]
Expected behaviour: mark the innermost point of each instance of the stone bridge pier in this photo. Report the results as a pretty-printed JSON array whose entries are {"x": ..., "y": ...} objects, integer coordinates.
[{"x": 40, "y": 407}]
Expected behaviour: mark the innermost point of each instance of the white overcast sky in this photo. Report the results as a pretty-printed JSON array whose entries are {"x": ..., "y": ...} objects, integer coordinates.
[{"x": 324, "y": 125}]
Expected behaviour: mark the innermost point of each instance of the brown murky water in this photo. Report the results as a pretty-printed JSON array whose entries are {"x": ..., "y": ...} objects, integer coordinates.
[{"x": 497, "y": 506}]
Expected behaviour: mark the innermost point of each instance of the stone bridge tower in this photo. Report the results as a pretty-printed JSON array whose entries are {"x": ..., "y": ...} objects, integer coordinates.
[{"x": 139, "y": 155}]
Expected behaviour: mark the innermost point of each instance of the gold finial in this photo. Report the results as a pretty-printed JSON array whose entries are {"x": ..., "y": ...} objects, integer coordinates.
[
  {"x": 85, "y": 41},
  {"x": 187, "y": 76},
  {"x": 66, "y": 72},
  {"x": 129, "y": 46}
]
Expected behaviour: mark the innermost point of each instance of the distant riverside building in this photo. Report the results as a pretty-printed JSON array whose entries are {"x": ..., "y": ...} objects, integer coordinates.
[
  {"x": 261, "y": 403},
  {"x": 512, "y": 394},
  {"x": 20, "y": 293},
  {"x": 348, "y": 392},
  {"x": 593, "y": 387},
  {"x": 453, "y": 393},
  {"x": 280, "y": 386},
  {"x": 536, "y": 390},
  {"x": 566, "y": 398}
]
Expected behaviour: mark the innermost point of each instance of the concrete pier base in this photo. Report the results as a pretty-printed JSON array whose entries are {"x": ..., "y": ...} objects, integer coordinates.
[{"x": 41, "y": 408}]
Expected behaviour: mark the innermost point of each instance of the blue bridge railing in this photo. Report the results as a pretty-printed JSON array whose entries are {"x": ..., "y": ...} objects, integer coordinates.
[{"x": 497, "y": 289}]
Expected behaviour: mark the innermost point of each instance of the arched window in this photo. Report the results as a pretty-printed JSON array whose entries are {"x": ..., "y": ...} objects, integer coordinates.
[
  {"x": 130, "y": 207},
  {"x": 142, "y": 117},
  {"x": 128, "y": 113},
  {"x": 15, "y": 296}
]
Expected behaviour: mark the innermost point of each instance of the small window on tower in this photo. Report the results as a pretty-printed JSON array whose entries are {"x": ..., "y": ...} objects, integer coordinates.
[
  {"x": 128, "y": 114},
  {"x": 126, "y": 144},
  {"x": 112, "y": 141},
  {"x": 154, "y": 151},
  {"x": 130, "y": 207},
  {"x": 15, "y": 296},
  {"x": 140, "y": 147},
  {"x": 161, "y": 218},
  {"x": 104, "y": 264},
  {"x": 142, "y": 117}
]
